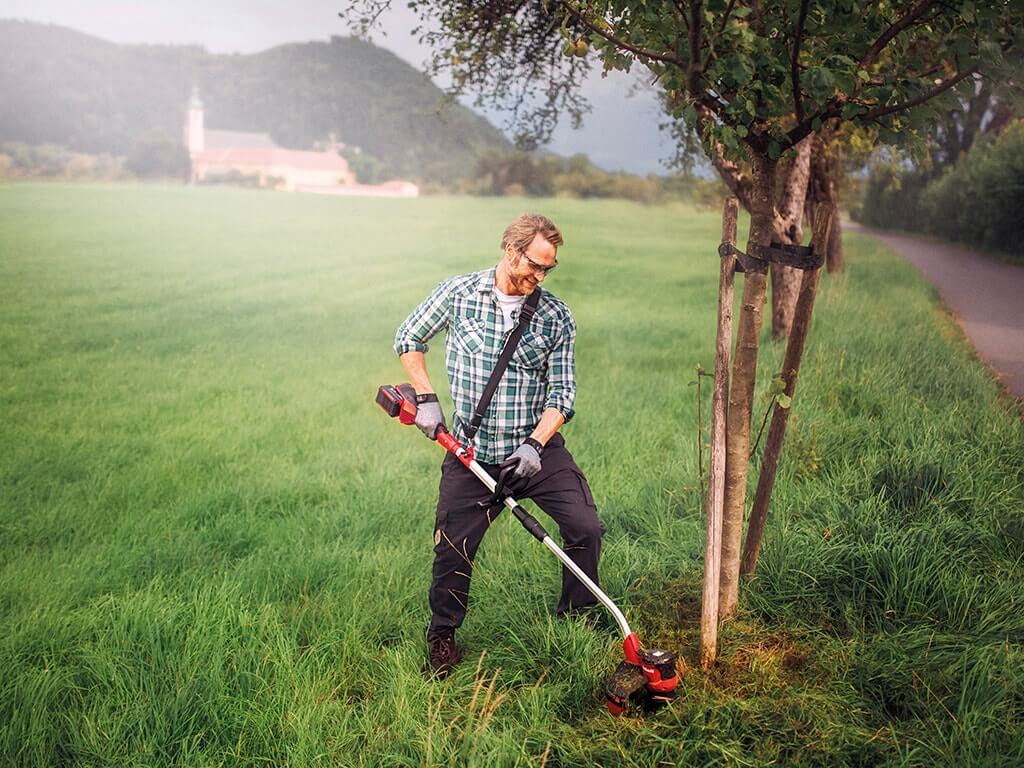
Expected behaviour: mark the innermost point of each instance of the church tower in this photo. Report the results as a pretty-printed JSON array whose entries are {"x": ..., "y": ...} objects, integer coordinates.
[{"x": 194, "y": 131}]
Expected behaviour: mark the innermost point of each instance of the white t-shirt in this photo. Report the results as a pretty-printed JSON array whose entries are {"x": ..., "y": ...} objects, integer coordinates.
[{"x": 508, "y": 305}]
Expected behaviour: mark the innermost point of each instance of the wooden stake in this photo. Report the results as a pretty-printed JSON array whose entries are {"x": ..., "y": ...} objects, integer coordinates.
[
  {"x": 790, "y": 369},
  {"x": 716, "y": 472}
]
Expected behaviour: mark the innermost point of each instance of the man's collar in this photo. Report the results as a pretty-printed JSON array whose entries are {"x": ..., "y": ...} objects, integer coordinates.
[{"x": 486, "y": 284}]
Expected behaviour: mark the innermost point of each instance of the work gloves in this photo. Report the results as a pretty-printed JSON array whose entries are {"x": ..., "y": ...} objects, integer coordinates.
[
  {"x": 526, "y": 458},
  {"x": 428, "y": 415}
]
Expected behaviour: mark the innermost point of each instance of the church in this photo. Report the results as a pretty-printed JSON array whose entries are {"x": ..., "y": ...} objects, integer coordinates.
[{"x": 214, "y": 153}]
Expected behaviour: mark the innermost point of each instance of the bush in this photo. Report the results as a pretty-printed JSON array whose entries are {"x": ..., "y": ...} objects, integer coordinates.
[
  {"x": 236, "y": 178},
  {"x": 977, "y": 201},
  {"x": 157, "y": 156},
  {"x": 516, "y": 173},
  {"x": 52, "y": 161},
  {"x": 367, "y": 168},
  {"x": 980, "y": 199},
  {"x": 892, "y": 199},
  {"x": 576, "y": 177}
]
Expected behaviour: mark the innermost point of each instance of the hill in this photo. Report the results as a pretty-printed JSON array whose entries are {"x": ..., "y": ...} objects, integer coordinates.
[{"x": 87, "y": 94}]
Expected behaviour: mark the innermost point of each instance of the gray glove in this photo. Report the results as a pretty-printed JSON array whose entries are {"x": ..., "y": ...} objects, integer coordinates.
[
  {"x": 429, "y": 417},
  {"x": 527, "y": 459}
]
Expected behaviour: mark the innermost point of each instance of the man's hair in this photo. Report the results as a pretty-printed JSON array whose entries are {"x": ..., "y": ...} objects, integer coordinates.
[{"x": 520, "y": 233}]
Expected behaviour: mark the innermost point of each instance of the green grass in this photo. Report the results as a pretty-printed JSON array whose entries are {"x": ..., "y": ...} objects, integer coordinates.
[{"x": 215, "y": 550}]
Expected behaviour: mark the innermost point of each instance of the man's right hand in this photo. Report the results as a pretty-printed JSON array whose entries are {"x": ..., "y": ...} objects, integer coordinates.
[{"x": 429, "y": 417}]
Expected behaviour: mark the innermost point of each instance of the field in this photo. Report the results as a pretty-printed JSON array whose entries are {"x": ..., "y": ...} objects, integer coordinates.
[{"x": 215, "y": 550}]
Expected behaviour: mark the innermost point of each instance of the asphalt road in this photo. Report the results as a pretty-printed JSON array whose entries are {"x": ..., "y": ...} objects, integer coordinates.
[{"x": 985, "y": 295}]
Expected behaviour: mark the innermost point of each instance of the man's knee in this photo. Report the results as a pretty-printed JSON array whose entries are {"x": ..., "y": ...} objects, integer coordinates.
[{"x": 585, "y": 529}]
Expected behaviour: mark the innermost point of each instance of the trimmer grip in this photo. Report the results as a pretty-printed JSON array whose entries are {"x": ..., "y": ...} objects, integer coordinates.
[{"x": 447, "y": 441}]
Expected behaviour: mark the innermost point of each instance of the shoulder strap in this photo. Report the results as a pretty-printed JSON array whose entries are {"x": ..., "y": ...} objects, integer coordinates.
[{"x": 525, "y": 316}]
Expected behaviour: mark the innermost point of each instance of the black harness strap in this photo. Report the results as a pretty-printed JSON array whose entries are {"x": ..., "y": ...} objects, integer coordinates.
[{"x": 525, "y": 316}]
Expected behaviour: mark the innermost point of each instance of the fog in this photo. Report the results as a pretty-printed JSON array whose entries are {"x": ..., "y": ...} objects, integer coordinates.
[{"x": 620, "y": 133}]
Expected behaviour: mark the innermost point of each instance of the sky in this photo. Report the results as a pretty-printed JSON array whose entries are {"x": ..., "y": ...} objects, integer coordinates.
[{"x": 620, "y": 133}]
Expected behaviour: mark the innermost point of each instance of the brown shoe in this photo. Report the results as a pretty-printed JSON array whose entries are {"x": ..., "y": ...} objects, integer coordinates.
[{"x": 444, "y": 654}]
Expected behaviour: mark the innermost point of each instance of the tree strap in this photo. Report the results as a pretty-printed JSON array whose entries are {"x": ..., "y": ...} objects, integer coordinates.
[
  {"x": 798, "y": 256},
  {"x": 525, "y": 316}
]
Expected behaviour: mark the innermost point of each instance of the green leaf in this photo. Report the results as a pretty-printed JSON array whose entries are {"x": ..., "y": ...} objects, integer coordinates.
[
  {"x": 820, "y": 82},
  {"x": 784, "y": 401},
  {"x": 729, "y": 137},
  {"x": 863, "y": 75},
  {"x": 774, "y": 150},
  {"x": 777, "y": 386},
  {"x": 851, "y": 110},
  {"x": 816, "y": 124},
  {"x": 990, "y": 52}
]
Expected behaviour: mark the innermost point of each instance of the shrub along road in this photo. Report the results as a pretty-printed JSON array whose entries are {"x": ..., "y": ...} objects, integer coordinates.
[{"x": 984, "y": 293}]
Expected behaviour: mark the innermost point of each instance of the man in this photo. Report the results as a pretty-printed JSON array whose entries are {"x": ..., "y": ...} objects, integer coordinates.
[{"x": 533, "y": 400}]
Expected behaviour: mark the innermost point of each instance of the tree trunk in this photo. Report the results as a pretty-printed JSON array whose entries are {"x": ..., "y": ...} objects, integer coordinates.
[
  {"x": 790, "y": 369},
  {"x": 741, "y": 389},
  {"x": 716, "y": 472},
  {"x": 823, "y": 188},
  {"x": 834, "y": 259},
  {"x": 789, "y": 231}
]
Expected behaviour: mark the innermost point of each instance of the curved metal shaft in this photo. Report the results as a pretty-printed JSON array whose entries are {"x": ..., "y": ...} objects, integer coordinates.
[{"x": 558, "y": 552}]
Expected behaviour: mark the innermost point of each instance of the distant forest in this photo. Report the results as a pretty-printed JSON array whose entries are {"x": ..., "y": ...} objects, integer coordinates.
[{"x": 67, "y": 88}]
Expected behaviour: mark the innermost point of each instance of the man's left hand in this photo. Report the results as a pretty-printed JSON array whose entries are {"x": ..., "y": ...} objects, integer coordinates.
[{"x": 527, "y": 459}]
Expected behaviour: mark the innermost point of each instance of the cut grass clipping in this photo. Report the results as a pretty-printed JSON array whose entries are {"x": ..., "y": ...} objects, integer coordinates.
[{"x": 215, "y": 550}]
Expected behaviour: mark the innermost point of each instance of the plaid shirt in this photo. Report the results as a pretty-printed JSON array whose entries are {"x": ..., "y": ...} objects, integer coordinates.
[{"x": 540, "y": 375}]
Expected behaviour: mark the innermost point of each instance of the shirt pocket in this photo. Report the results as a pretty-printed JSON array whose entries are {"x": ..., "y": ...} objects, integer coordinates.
[
  {"x": 468, "y": 335},
  {"x": 532, "y": 352}
]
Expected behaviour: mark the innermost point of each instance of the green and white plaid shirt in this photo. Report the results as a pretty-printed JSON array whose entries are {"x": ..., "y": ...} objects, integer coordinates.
[{"x": 540, "y": 375}]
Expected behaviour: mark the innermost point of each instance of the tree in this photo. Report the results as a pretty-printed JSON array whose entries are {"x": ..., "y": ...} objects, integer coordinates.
[
  {"x": 754, "y": 80},
  {"x": 986, "y": 108},
  {"x": 155, "y": 155}
]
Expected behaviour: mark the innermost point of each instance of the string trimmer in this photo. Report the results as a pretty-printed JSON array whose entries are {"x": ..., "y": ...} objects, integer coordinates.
[{"x": 645, "y": 676}]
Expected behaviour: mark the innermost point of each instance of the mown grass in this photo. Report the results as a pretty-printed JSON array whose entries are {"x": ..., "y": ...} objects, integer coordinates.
[{"x": 214, "y": 549}]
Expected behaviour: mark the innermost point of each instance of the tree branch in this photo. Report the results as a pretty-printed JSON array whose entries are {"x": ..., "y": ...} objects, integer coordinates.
[
  {"x": 619, "y": 42},
  {"x": 726, "y": 15},
  {"x": 794, "y": 68},
  {"x": 694, "y": 69},
  {"x": 681, "y": 9},
  {"x": 729, "y": 172},
  {"x": 910, "y": 103},
  {"x": 894, "y": 29},
  {"x": 806, "y": 126}
]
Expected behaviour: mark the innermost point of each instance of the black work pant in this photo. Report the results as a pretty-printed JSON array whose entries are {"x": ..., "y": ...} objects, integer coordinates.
[{"x": 560, "y": 489}]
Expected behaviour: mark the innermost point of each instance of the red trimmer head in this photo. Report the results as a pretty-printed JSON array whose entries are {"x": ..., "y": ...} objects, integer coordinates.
[{"x": 646, "y": 676}]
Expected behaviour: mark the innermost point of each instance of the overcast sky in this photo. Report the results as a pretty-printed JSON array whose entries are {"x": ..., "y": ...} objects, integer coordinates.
[{"x": 620, "y": 133}]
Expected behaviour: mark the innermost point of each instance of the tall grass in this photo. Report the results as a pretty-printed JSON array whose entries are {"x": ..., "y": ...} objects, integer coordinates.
[{"x": 214, "y": 549}]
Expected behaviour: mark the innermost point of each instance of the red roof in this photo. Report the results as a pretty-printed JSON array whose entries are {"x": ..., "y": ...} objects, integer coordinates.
[{"x": 291, "y": 158}]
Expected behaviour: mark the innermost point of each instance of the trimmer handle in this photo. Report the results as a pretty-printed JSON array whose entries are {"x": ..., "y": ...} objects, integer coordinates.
[{"x": 400, "y": 400}]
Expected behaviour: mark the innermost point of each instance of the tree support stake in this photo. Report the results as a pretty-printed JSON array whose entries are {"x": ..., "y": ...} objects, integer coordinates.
[{"x": 790, "y": 369}]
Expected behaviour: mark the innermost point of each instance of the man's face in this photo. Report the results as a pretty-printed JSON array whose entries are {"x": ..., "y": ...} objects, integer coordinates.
[{"x": 526, "y": 268}]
